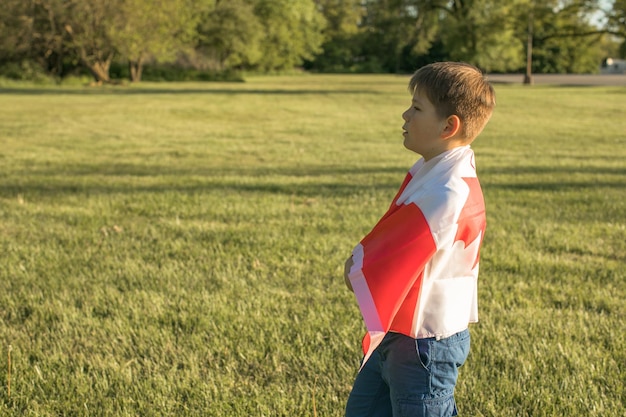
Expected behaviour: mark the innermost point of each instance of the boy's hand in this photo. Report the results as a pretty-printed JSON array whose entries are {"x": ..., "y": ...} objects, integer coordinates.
[{"x": 346, "y": 272}]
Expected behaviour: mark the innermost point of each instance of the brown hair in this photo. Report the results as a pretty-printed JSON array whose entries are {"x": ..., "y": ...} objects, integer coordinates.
[{"x": 457, "y": 88}]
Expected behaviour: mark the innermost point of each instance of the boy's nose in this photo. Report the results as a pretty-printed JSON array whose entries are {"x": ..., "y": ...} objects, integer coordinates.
[{"x": 405, "y": 116}]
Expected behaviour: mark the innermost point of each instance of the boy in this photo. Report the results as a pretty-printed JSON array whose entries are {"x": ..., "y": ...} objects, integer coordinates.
[{"x": 415, "y": 274}]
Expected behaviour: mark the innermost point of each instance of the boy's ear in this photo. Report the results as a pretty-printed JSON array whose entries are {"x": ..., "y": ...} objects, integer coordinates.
[{"x": 452, "y": 127}]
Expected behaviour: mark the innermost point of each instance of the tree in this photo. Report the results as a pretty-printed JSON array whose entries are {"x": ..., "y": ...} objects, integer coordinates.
[
  {"x": 616, "y": 22},
  {"x": 230, "y": 35},
  {"x": 264, "y": 35},
  {"x": 87, "y": 24},
  {"x": 291, "y": 32},
  {"x": 48, "y": 31},
  {"x": 341, "y": 35},
  {"x": 32, "y": 35},
  {"x": 16, "y": 28},
  {"x": 153, "y": 29},
  {"x": 481, "y": 32},
  {"x": 617, "y": 18},
  {"x": 563, "y": 39},
  {"x": 394, "y": 28}
]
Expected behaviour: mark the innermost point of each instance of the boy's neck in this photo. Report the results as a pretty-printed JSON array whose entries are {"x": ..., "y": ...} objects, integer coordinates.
[{"x": 443, "y": 151}]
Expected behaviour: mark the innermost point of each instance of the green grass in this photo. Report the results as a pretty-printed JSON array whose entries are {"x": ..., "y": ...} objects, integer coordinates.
[{"x": 178, "y": 249}]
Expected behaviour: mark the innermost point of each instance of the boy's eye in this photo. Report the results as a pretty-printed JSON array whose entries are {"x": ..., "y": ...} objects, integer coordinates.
[{"x": 416, "y": 108}]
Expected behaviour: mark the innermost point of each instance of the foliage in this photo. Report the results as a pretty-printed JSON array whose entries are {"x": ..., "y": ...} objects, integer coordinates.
[
  {"x": 164, "y": 72},
  {"x": 269, "y": 36},
  {"x": 292, "y": 32},
  {"x": 15, "y": 27},
  {"x": 483, "y": 32},
  {"x": 342, "y": 36},
  {"x": 87, "y": 26},
  {"x": 230, "y": 35},
  {"x": 176, "y": 249},
  {"x": 617, "y": 17},
  {"x": 563, "y": 40},
  {"x": 396, "y": 28},
  {"x": 25, "y": 71},
  {"x": 617, "y": 22},
  {"x": 32, "y": 31},
  {"x": 400, "y": 35},
  {"x": 154, "y": 29}
]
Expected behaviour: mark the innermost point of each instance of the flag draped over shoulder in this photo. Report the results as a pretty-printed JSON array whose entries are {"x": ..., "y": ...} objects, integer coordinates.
[{"x": 416, "y": 272}]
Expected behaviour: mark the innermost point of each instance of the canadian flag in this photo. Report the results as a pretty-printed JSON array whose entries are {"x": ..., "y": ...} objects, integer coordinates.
[{"x": 416, "y": 272}]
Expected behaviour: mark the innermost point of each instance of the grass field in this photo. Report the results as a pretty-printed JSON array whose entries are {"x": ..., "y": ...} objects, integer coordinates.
[{"x": 178, "y": 249}]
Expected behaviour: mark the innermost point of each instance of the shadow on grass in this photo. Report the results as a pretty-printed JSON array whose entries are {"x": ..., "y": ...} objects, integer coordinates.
[
  {"x": 167, "y": 170},
  {"x": 319, "y": 181},
  {"x": 327, "y": 190},
  {"x": 158, "y": 170},
  {"x": 85, "y": 179},
  {"x": 555, "y": 170},
  {"x": 175, "y": 91},
  {"x": 557, "y": 186}
]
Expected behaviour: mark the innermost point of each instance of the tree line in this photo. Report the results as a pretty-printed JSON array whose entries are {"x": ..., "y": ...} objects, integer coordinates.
[{"x": 64, "y": 37}]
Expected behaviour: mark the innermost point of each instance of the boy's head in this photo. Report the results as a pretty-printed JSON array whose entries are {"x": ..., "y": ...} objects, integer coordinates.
[{"x": 460, "y": 89}]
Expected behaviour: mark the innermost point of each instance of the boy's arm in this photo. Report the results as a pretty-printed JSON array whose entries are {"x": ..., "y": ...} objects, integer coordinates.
[{"x": 346, "y": 272}]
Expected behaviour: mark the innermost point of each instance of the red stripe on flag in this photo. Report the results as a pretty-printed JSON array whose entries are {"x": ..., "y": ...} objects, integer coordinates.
[
  {"x": 403, "y": 321},
  {"x": 395, "y": 253},
  {"x": 365, "y": 343}
]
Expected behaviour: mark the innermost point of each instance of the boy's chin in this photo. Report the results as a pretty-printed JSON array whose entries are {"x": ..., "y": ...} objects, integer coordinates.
[{"x": 407, "y": 146}]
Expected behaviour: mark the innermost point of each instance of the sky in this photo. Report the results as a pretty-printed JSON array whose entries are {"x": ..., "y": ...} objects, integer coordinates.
[{"x": 598, "y": 18}]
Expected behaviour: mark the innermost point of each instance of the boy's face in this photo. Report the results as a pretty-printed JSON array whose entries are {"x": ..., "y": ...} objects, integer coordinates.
[{"x": 423, "y": 128}]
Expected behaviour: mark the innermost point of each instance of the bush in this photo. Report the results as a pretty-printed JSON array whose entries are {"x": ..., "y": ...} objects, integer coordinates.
[
  {"x": 26, "y": 71},
  {"x": 81, "y": 79},
  {"x": 170, "y": 72},
  {"x": 173, "y": 73}
]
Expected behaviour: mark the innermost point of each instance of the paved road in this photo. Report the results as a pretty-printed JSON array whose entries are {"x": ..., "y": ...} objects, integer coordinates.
[{"x": 562, "y": 79}]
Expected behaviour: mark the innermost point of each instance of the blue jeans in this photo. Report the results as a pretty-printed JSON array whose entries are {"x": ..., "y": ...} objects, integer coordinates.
[{"x": 409, "y": 377}]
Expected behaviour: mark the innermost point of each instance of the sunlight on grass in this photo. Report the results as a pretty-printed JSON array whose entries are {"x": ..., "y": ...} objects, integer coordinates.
[{"x": 176, "y": 249}]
